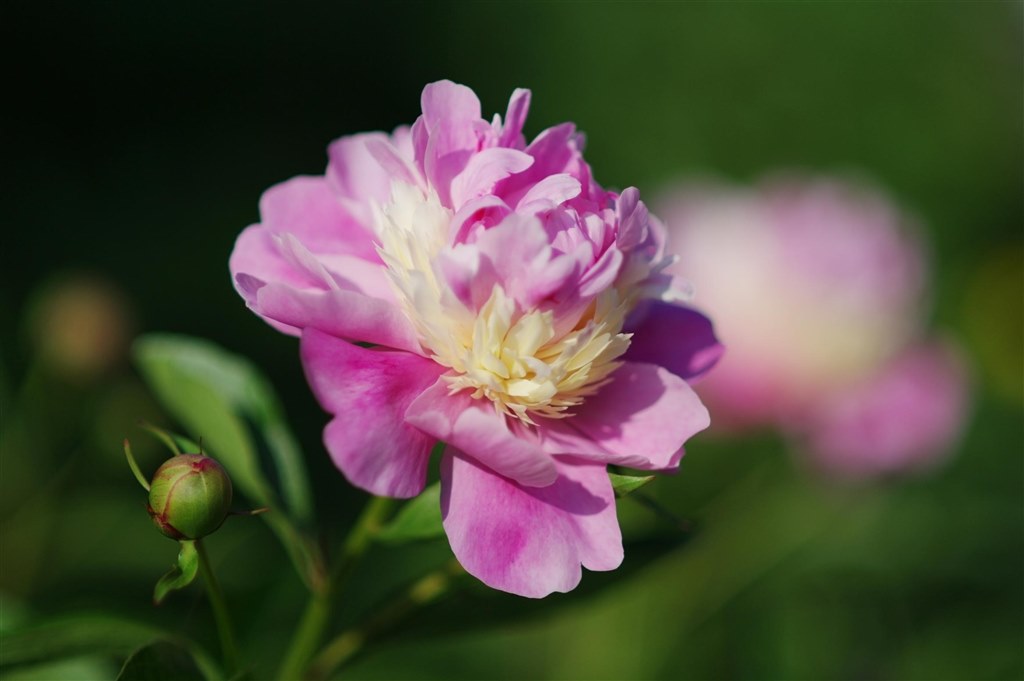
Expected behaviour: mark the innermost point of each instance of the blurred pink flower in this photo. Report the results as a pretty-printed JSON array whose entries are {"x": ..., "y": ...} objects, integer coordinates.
[
  {"x": 819, "y": 288},
  {"x": 499, "y": 285}
]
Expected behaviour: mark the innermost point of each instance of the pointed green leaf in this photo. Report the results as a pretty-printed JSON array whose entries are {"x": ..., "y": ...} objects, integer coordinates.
[
  {"x": 214, "y": 393},
  {"x": 84, "y": 636},
  {"x": 624, "y": 484},
  {"x": 161, "y": 661},
  {"x": 419, "y": 518},
  {"x": 217, "y": 395},
  {"x": 181, "y": 575},
  {"x": 73, "y": 636}
]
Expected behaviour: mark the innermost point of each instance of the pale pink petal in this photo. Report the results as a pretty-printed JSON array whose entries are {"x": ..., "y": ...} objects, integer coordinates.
[
  {"x": 602, "y": 273},
  {"x": 516, "y": 255},
  {"x": 641, "y": 420},
  {"x": 367, "y": 392},
  {"x": 308, "y": 208},
  {"x": 393, "y": 162},
  {"x": 905, "y": 417},
  {"x": 342, "y": 313},
  {"x": 446, "y": 135},
  {"x": 352, "y": 170},
  {"x": 478, "y": 430},
  {"x": 673, "y": 336},
  {"x": 486, "y": 210},
  {"x": 257, "y": 254},
  {"x": 633, "y": 218},
  {"x": 526, "y": 540},
  {"x": 484, "y": 170},
  {"x": 515, "y": 117},
  {"x": 552, "y": 191}
]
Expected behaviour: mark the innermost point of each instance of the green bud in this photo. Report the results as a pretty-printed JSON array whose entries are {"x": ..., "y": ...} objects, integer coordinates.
[{"x": 190, "y": 496}]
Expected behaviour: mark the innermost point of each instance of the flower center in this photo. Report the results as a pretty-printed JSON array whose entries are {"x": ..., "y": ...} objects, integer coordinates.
[{"x": 522, "y": 360}]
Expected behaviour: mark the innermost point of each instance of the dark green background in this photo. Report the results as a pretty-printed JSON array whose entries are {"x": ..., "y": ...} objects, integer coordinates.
[{"x": 138, "y": 137}]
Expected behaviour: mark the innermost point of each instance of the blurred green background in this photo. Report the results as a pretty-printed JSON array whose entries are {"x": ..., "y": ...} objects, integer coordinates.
[{"x": 139, "y": 136}]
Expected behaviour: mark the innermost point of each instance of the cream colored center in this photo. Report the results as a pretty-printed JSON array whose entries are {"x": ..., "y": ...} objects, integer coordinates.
[{"x": 513, "y": 357}]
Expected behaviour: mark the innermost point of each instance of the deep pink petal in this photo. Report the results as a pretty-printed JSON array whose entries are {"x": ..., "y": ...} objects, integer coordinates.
[
  {"x": 478, "y": 430},
  {"x": 526, "y": 540},
  {"x": 673, "y": 336},
  {"x": 641, "y": 420},
  {"x": 367, "y": 392}
]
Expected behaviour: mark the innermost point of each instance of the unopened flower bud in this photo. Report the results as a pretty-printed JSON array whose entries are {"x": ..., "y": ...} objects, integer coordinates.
[{"x": 190, "y": 496}]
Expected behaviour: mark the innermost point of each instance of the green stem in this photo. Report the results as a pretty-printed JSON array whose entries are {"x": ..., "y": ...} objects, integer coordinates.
[
  {"x": 220, "y": 610},
  {"x": 318, "y": 612},
  {"x": 348, "y": 643}
]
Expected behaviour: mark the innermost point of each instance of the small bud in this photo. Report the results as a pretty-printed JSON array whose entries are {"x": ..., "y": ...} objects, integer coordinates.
[{"x": 190, "y": 496}]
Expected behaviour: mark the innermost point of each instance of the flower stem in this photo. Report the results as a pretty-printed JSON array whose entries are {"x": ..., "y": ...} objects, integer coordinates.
[
  {"x": 318, "y": 612},
  {"x": 349, "y": 642},
  {"x": 220, "y": 610}
]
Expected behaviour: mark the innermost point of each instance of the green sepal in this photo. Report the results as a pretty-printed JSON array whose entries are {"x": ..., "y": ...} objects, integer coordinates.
[
  {"x": 419, "y": 518},
  {"x": 624, "y": 484},
  {"x": 135, "y": 466},
  {"x": 181, "y": 575}
]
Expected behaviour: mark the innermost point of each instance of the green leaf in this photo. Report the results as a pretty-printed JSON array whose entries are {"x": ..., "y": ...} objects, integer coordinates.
[
  {"x": 73, "y": 636},
  {"x": 181, "y": 575},
  {"x": 213, "y": 393},
  {"x": 420, "y": 518},
  {"x": 624, "y": 484},
  {"x": 161, "y": 661}
]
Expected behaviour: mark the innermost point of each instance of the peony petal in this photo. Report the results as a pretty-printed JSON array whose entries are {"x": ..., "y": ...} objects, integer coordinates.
[
  {"x": 515, "y": 117},
  {"x": 673, "y": 336},
  {"x": 641, "y": 420},
  {"x": 342, "y": 313},
  {"x": 550, "y": 192},
  {"x": 352, "y": 170},
  {"x": 445, "y": 136},
  {"x": 484, "y": 170},
  {"x": 525, "y": 540},
  {"x": 367, "y": 392},
  {"x": 308, "y": 208},
  {"x": 905, "y": 417},
  {"x": 473, "y": 426},
  {"x": 633, "y": 218},
  {"x": 391, "y": 160}
]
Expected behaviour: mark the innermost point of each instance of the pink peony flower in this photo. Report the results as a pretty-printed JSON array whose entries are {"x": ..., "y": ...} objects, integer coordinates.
[
  {"x": 818, "y": 288},
  {"x": 518, "y": 312}
]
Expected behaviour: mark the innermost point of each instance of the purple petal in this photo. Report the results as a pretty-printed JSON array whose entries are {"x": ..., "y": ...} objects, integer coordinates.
[
  {"x": 673, "y": 336},
  {"x": 525, "y": 540},
  {"x": 367, "y": 392},
  {"x": 641, "y": 420},
  {"x": 478, "y": 430}
]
